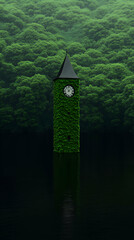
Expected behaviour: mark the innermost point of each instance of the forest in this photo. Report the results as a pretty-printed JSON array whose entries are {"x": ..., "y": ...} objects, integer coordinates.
[{"x": 99, "y": 38}]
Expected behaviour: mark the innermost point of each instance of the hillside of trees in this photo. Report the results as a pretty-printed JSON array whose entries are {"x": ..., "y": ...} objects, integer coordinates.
[{"x": 99, "y": 38}]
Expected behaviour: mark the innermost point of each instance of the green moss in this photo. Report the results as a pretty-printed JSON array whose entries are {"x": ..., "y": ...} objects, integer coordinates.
[{"x": 66, "y": 124}]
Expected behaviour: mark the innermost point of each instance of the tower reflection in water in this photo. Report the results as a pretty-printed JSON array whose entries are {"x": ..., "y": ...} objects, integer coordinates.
[{"x": 66, "y": 190}]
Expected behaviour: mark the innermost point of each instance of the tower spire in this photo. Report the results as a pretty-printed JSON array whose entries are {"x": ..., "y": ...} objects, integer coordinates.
[{"x": 66, "y": 70}]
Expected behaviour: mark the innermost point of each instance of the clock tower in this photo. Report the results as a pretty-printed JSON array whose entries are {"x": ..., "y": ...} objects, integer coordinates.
[{"x": 66, "y": 110}]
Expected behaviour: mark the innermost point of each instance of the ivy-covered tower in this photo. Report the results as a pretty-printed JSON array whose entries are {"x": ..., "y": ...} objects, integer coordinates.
[{"x": 66, "y": 110}]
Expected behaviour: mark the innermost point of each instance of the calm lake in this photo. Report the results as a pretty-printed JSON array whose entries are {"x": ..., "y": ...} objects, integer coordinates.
[{"x": 45, "y": 195}]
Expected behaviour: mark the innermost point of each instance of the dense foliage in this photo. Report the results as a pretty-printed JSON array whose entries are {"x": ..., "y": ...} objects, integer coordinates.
[{"x": 99, "y": 37}]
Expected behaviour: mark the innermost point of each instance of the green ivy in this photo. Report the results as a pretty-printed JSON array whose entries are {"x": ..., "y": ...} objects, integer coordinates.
[{"x": 66, "y": 124}]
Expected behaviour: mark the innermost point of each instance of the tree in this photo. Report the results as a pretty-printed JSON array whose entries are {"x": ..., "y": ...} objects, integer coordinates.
[
  {"x": 29, "y": 35},
  {"x": 17, "y": 52},
  {"x": 130, "y": 63},
  {"x": 7, "y": 71},
  {"x": 6, "y": 109},
  {"x": 75, "y": 48},
  {"x": 82, "y": 59},
  {"x": 91, "y": 117},
  {"x": 30, "y": 100},
  {"x": 128, "y": 102},
  {"x": 112, "y": 71},
  {"x": 26, "y": 68},
  {"x": 115, "y": 41},
  {"x": 94, "y": 30}
]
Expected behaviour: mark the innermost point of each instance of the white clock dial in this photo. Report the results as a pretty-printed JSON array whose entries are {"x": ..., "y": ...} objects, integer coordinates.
[{"x": 69, "y": 91}]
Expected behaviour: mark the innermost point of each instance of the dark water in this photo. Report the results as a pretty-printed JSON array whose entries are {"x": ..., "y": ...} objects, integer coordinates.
[{"x": 67, "y": 196}]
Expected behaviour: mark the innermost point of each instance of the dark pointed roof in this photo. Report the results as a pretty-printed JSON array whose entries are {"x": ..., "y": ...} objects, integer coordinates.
[{"x": 66, "y": 70}]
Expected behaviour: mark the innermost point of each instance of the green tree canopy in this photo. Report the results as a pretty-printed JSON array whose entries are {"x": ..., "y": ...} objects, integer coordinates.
[{"x": 99, "y": 38}]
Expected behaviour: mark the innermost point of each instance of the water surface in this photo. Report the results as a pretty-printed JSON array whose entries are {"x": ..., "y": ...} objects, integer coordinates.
[{"x": 46, "y": 195}]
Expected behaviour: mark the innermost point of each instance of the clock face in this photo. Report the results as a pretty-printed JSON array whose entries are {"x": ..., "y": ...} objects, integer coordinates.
[{"x": 68, "y": 91}]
